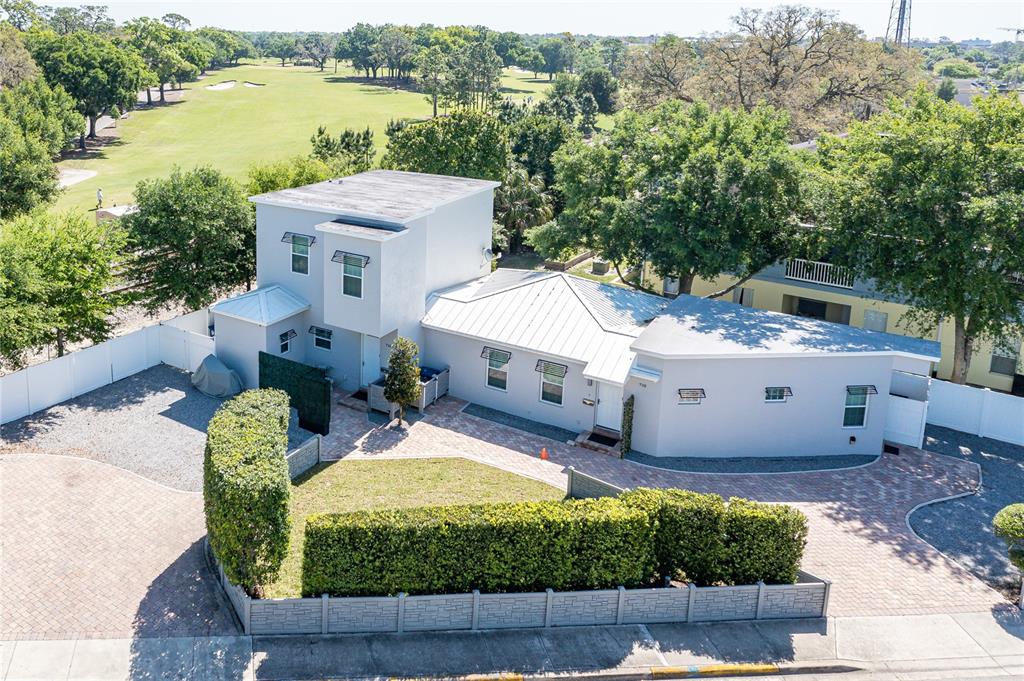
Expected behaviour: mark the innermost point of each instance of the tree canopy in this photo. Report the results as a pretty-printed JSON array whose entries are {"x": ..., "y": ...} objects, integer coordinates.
[
  {"x": 927, "y": 199},
  {"x": 55, "y": 276},
  {"x": 692, "y": 191},
  {"x": 466, "y": 144},
  {"x": 193, "y": 239}
]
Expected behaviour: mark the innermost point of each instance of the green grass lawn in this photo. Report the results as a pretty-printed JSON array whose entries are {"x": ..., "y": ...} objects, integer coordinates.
[
  {"x": 231, "y": 129},
  {"x": 399, "y": 483}
]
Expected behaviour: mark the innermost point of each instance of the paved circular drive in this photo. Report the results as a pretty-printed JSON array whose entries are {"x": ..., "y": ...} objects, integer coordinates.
[{"x": 94, "y": 551}]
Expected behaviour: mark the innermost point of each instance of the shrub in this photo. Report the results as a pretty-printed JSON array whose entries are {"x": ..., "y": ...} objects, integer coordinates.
[
  {"x": 246, "y": 487},
  {"x": 1009, "y": 526},
  {"x": 689, "y": 533},
  {"x": 501, "y": 547},
  {"x": 762, "y": 542},
  {"x": 628, "y": 407}
]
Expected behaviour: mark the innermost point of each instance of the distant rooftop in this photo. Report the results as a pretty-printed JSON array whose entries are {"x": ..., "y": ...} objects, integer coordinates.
[
  {"x": 386, "y": 195},
  {"x": 698, "y": 327}
]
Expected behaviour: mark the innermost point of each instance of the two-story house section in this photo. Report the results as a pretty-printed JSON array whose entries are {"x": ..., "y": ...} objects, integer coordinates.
[
  {"x": 345, "y": 266},
  {"x": 822, "y": 290}
]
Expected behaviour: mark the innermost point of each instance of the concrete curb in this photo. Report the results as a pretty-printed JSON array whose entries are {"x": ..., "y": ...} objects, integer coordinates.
[{"x": 730, "y": 670}]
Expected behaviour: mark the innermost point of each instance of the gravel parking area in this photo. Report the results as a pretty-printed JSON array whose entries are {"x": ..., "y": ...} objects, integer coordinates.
[
  {"x": 962, "y": 528},
  {"x": 152, "y": 423}
]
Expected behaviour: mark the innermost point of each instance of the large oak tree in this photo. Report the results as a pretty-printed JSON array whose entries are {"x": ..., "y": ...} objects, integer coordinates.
[{"x": 927, "y": 199}]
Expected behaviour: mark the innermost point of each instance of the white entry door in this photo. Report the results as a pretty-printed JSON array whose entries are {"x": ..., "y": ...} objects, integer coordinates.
[
  {"x": 371, "y": 360},
  {"x": 609, "y": 406}
]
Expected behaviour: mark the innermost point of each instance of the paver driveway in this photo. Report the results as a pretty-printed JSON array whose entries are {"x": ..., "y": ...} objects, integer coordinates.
[
  {"x": 94, "y": 551},
  {"x": 858, "y": 536}
]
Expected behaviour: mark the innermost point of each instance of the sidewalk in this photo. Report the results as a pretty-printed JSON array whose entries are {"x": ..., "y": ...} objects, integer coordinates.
[{"x": 980, "y": 645}]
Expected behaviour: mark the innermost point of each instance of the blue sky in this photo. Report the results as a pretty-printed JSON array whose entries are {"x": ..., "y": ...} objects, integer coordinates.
[{"x": 931, "y": 18}]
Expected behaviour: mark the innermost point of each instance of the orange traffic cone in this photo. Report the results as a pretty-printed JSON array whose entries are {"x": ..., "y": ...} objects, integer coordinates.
[{"x": 544, "y": 453}]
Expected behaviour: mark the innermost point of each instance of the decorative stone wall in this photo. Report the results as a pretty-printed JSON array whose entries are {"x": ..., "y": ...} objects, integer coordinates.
[
  {"x": 583, "y": 486},
  {"x": 303, "y": 457},
  {"x": 476, "y": 611}
]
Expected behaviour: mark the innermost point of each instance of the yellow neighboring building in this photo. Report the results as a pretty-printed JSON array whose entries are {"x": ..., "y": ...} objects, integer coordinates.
[{"x": 824, "y": 291}]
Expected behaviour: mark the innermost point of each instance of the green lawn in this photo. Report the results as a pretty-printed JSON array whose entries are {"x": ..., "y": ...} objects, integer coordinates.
[
  {"x": 231, "y": 129},
  {"x": 355, "y": 485}
]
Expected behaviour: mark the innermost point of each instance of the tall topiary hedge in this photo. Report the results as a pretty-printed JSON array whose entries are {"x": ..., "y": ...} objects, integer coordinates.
[
  {"x": 500, "y": 547},
  {"x": 689, "y": 540},
  {"x": 700, "y": 538},
  {"x": 763, "y": 542},
  {"x": 246, "y": 488}
]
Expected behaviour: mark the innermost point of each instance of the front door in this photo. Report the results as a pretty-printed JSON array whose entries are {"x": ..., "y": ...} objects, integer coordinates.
[
  {"x": 371, "y": 360},
  {"x": 609, "y": 406}
]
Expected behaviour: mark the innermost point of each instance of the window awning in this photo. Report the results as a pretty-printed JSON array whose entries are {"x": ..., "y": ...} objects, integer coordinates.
[
  {"x": 861, "y": 390},
  {"x": 501, "y": 356},
  {"x": 346, "y": 258},
  {"x": 288, "y": 335},
  {"x": 551, "y": 368},
  {"x": 784, "y": 390},
  {"x": 692, "y": 394},
  {"x": 291, "y": 237},
  {"x": 321, "y": 333}
]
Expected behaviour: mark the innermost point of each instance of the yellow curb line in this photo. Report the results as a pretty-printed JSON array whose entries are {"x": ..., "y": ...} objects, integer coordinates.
[{"x": 713, "y": 670}]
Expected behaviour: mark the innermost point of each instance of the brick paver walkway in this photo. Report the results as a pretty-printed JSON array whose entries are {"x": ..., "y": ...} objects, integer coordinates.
[
  {"x": 858, "y": 537},
  {"x": 88, "y": 550}
]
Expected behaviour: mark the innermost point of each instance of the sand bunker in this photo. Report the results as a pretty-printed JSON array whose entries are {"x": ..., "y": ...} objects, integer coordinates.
[
  {"x": 251, "y": 84},
  {"x": 70, "y": 176},
  {"x": 226, "y": 85}
]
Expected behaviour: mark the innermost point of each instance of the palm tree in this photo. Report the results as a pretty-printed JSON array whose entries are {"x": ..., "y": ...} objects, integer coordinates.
[{"x": 521, "y": 202}]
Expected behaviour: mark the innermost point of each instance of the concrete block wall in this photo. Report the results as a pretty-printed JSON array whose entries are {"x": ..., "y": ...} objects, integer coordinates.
[
  {"x": 303, "y": 457},
  {"x": 476, "y": 611},
  {"x": 583, "y": 486}
]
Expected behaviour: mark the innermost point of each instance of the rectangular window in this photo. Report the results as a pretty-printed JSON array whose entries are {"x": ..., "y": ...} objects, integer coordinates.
[
  {"x": 497, "y": 368},
  {"x": 286, "y": 340},
  {"x": 1004, "y": 359},
  {"x": 777, "y": 394},
  {"x": 691, "y": 395},
  {"x": 552, "y": 381},
  {"x": 300, "y": 253},
  {"x": 855, "y": 411},
  {"x": 352, "y": 281},
  {"x": 875, "y": 320},
  {"x": 743, "y": 296},
  {"x": 321, "y": 337}
]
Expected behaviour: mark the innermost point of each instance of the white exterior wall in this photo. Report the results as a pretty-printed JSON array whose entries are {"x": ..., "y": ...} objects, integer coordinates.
[
  {"x": 362, "y": 315},
  {"x": 274, "y": 257},
  {"x": 469, "y": 374},
  {"x": 458, "y": 234},
  {"x": 404, "y": 271},
  {"x": 734, "y": 420},
  {"x": 297, "y": 347},
  {"x": 343, "y": 359},
  {"x": 238, "y": 344}
]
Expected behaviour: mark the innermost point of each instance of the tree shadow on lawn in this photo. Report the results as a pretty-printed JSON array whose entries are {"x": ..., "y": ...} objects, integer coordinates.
[
  {"x": 94, "y": 149},
  {"x": 377, "y": 84}
]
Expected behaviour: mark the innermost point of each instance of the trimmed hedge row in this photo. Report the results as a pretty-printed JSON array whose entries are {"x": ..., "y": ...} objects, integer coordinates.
[
  {"x": 246, "y": 489},
  {"x": 700, "y": 538},
  {"x": 578, "y": 544},
  {"x": 530, "y": 546}
]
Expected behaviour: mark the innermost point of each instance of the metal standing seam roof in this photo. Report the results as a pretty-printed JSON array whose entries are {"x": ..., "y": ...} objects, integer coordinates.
[
  {"x": 387, "y": 195},
  {"x": 702, "y": 327},
  {"x": 551, "y": 314},
  {"x": 263, "y": 306}
]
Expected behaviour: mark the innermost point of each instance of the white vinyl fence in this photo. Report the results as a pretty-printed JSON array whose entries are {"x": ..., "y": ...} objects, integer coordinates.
[
  {"x": 977, "y": 411},
  {"x": 44, "y": 385}
]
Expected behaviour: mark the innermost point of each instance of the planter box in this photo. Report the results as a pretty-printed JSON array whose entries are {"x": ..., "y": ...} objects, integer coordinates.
[
  {"x": 561, "y": 266},
  {"x": 808, "y": 598}
]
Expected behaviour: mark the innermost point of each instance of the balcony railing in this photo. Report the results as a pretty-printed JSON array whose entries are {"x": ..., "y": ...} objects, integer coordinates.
[{"x": 817, "y": 272}]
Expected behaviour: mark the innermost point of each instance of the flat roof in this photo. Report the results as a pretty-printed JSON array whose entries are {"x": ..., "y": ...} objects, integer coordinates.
[
  {"x": 387, "y": 195},
  {"x": 702, "y": 327}
]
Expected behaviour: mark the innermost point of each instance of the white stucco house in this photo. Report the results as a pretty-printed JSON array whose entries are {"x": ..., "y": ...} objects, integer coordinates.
[{"x": 345, "y": 266}]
